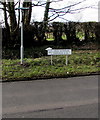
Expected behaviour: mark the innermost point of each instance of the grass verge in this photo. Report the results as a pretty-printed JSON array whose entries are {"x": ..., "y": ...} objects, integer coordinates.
[{"x": 80, "y": 62}]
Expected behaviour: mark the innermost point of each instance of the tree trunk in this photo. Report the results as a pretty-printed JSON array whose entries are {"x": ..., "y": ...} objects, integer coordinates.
[
  {"x": 70, "y": 31},
  {"x": 7, "y": 25},
  {"x": 46, "y": 13},
  {"x": 27, "y": 13},
  {"x": 12, "y": 15},
  {"x": 97, "y": 33},
  {"x": 57, "y": 32},
  {"x": 45, "y": 20}
]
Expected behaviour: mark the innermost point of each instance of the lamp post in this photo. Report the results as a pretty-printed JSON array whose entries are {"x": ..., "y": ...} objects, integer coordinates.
[{"x": 22, "y": 47}]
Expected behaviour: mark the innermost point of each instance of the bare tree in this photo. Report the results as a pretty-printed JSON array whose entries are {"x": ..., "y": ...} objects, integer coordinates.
[
  {"x": 12, "y": 15},
  {"x": 71, "y": 8},
  {"x": 28, "y": 12},
  {"x": 50, "y": 13}
]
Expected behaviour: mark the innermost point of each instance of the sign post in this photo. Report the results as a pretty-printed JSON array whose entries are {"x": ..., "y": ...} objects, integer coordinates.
[
  {"x": 59, "y": 52},
  {"x": 51, "y": 59},
  {"x": 66, "y": 59}
]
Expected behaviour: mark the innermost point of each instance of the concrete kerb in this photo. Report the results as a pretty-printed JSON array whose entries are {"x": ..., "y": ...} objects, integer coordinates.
[{"x": 47, "y": 78}]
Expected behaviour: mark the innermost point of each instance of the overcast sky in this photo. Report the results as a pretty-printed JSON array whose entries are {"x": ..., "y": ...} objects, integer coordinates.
[{"x": 88, "y": 14}]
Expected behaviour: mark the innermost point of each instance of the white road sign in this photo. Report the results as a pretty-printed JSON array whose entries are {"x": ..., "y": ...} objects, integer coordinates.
[{"x": 59, "y": 52}]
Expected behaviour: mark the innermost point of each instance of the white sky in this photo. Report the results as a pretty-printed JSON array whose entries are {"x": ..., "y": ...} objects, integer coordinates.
[{"x": 88, "y": 14}]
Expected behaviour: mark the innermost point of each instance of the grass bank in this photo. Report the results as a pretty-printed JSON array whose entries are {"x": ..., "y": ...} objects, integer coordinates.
[{"x": 80, "y": 62}]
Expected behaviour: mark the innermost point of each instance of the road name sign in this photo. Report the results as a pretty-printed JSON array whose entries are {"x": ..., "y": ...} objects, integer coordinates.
[{"x": 59, "y": 52}]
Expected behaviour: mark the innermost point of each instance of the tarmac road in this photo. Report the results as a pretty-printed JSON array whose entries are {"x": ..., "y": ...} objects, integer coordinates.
[{"x": 75, "y": 97}]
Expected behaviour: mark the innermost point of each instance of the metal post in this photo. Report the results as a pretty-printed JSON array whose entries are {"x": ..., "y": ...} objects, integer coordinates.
[
  {"x": 51, "y": 59},
  {"x": 22, "y": 48},
  {"x": 66, "y": 59},
  {"x": 21, "y": 20}
]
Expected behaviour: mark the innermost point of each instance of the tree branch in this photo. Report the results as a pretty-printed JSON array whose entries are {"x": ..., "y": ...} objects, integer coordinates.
[{"x": 68, "y": 6}]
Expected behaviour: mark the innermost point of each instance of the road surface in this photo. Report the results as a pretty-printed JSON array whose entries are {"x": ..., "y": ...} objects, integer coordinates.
[{"x": 75, "y": 97}]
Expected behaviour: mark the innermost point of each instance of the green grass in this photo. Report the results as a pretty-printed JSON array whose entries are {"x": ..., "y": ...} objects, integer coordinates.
[
  {"x": 80, "y": 62},
  {"x": 64, "y": 37},
  {"x": 80, "y": 35},
  {"x": 51, "y": 37}
]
